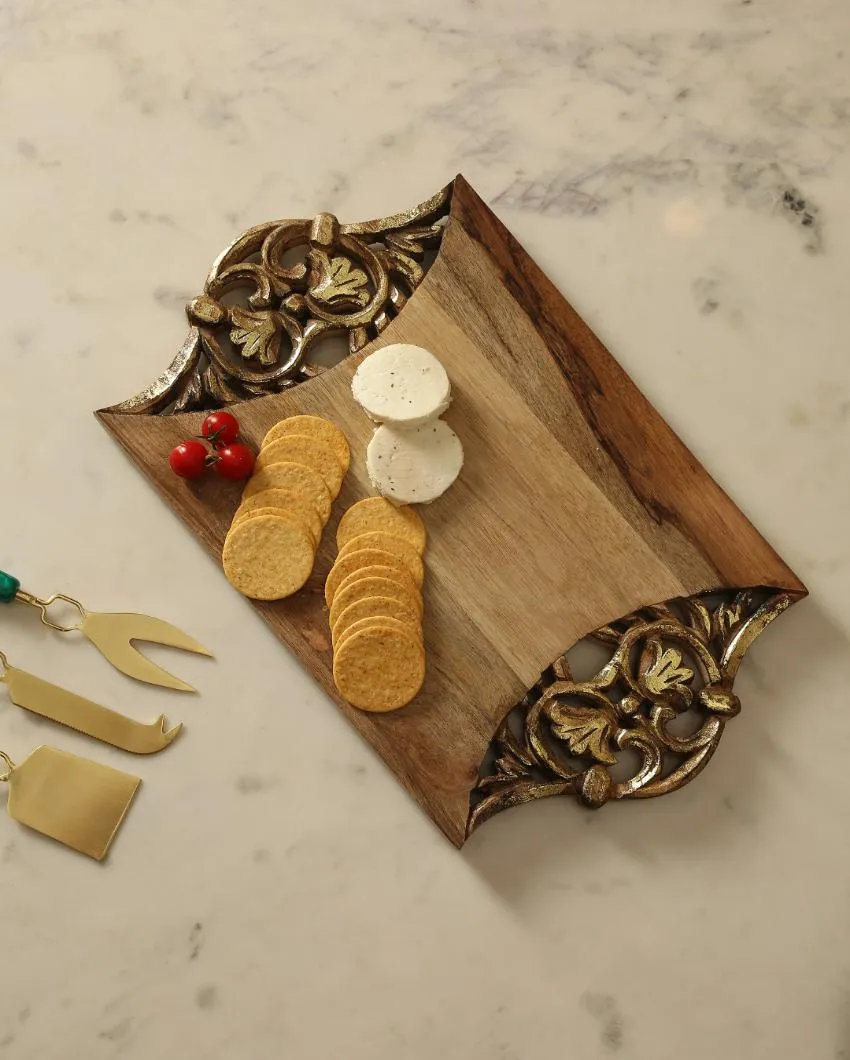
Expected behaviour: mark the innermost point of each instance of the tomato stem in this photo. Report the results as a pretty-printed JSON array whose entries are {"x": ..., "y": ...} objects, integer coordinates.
[{"x": 211, "y": 438}]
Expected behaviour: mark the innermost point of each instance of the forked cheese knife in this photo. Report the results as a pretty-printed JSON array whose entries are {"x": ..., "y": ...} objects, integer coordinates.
[{"x": 112, "y": 633}]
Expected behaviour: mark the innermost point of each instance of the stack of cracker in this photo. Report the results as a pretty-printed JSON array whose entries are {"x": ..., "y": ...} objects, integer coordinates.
[
  {"x": 374, "y": 592},
  {"x": 271, "y": 546}
]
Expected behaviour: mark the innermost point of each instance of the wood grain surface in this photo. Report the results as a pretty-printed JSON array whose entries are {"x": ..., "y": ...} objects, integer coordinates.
[{"x": 576, "y": 505}]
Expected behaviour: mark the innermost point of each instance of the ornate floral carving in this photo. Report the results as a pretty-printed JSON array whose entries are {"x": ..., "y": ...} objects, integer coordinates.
[
  {"x": 339, "y": 284},
  {"x": 667, "y": 661},
  {"x": 261, "y": 314},
  {"x": 258, "y": 335}
]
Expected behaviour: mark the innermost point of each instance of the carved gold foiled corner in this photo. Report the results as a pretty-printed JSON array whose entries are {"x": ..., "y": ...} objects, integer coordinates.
[
  {"x": 670, "y": 664},
  {"x": 262, "y": 315}
]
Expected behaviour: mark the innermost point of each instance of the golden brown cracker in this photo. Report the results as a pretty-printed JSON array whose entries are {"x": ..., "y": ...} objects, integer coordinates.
[
  {"x": 285, "y": 500},
  {"x": 377, "y": 607},
  {"x": 357, "y": 588},
  {"x": 380, "y": 620},
  {"x": 302, "y": 449},
  {"x": 291, "y": 513},
  {"x": 355, "y": 561},
  {"x": 312, "y": 427},
  {"x": 376, "y": 513},
  {"x": 394, "y": 574},
  {"x": 305, "y": 480},
  {"x": 379, "y": 668},
  {"x": 269, "y": 557},
  {"x": 397, "y": 546}
]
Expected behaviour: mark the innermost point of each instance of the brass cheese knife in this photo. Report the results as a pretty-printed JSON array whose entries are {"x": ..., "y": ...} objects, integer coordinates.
[
  {"x": 67, "y": 708},
  {"x": 112, "y": 633}
]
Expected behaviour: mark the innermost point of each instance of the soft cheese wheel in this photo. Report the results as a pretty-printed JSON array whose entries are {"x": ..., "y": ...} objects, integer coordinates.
[
  {"x": 414, "y": 466},
  {"x": 402, "y": 385}
]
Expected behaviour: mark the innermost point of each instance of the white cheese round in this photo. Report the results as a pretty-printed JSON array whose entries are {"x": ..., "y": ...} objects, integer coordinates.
[
  {"x": 414, "y": 466},
  {"x": 402, "y": 385}
]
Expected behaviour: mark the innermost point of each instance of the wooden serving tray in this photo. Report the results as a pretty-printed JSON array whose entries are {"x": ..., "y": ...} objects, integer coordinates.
[{"x": 577, "y": 505}]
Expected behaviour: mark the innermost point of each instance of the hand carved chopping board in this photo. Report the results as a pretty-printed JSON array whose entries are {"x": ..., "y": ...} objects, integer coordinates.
[{"x": 577, "y": 504}]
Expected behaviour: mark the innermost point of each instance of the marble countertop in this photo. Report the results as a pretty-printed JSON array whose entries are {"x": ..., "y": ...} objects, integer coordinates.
[{"x": 681, "y": 171}]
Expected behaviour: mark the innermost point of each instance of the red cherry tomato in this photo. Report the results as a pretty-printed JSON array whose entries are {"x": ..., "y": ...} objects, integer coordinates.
[
  {"x": 234, "y": 461},
  {"x": 221, "y": 428},
  {"x": 188, "y": 459}
]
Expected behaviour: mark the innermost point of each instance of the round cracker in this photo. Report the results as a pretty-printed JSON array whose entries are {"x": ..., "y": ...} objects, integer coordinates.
[
  {"x": 396, "y": 546},
  {"x": 381, "y": 620},
  {"x": 354, "y": 561},
  {"x": 275, "y": 497},
  {"x": 297, "y": 515},
  {"x": 304, "y": 480},
  {"x": 376, "y": 513},
  {"x": 356, "y": 588},
  {"x": 394, "y": 574},
  {"x": 284, "y": 500},
  {"x": 379, "y": 668},
  {"x": 302, "y": 449},
  {"x": 312, "y": 427},
  {"x": 269, "y": 557},
  {"x": 377, "y": 607}
]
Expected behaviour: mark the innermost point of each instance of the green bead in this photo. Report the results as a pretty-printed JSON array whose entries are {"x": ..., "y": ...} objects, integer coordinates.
[{"x": 8, "y": 587}]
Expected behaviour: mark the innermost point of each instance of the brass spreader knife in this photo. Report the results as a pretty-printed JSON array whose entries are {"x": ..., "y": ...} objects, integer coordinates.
[{"x": 112, "y": 633}]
